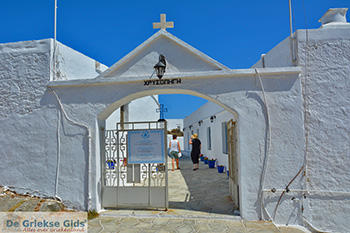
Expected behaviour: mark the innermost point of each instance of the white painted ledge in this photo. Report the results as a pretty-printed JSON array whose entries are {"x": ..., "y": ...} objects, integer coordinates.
[{"x": 278, "y": 72}]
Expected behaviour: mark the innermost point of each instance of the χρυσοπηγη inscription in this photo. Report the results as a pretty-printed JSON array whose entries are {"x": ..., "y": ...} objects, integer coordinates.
[{"x": 156, "y": 82}]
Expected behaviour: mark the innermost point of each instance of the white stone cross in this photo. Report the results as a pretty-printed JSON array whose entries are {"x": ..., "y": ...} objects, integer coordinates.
[{"x": 163, "y": 24}]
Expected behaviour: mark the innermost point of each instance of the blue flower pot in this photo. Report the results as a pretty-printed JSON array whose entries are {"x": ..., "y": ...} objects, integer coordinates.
[
  {"x": 202, "y": 158},
  {"x": 228, "y": 173},
  {"x": 206, "y": 161},
  {"x": 110, "y": 164},
  {"x": 221, "y": 169},
  {"x": 211, "y": 163}
]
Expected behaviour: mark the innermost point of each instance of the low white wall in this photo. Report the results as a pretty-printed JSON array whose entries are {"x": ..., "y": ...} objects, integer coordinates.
[
  {"x": 175, "y": 123},
  {"x": 278, "y": 56},
  {"x": 71, "y": 64}
]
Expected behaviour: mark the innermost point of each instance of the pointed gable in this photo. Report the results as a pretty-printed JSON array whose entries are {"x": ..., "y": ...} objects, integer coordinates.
[{"x": 180, "y": 58}]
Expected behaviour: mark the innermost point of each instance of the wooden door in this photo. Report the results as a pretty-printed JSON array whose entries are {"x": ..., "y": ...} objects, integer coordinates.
[{"x": 233, "y": 162}]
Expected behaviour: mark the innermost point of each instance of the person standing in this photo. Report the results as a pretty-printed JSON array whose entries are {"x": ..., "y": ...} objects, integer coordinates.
[
  {"x": 196, "y": 150},
  {"x": 175, "y": 149}
]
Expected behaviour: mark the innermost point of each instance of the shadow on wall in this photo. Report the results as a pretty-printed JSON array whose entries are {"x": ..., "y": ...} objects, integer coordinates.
[
  {"x": 258, "y": 99},
  {"x": 72, "y": 134}
]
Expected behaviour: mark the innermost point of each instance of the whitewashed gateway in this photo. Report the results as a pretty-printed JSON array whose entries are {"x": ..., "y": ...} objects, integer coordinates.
[{"x": 290, "y": 115}]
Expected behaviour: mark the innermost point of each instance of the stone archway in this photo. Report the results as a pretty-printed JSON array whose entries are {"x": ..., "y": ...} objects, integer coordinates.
[
  {"x": 237, "y": 91},
  {"x": 112, "y": 107},
  {"x": 108, "y": 192}
]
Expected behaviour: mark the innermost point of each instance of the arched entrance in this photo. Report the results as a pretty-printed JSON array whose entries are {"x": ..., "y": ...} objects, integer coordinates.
[
  {"x": 191, "y": 72},
  {"x": 122, "y": 180},
  {"x": 112, "y": 107}
]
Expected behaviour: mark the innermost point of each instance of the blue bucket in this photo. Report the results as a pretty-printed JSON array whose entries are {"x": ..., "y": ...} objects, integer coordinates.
[
  {"x": 211, "y": 163},
  {"x": 221, "y": 169}
]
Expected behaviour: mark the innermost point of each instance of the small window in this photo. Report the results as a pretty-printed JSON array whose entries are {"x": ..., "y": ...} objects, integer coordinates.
[
  {"x": 209, "y": 138},
  {"x": 224, "y": 137}
]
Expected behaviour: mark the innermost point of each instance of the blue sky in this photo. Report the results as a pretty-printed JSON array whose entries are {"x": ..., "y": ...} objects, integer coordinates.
[{"x": 234, "y": 33}]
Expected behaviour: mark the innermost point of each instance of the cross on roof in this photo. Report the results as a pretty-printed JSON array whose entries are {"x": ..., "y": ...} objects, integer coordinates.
[{"x": 163, "y": 24}]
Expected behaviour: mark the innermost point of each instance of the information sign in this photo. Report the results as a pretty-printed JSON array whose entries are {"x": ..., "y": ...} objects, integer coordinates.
[{"x": 146, "y": 146}]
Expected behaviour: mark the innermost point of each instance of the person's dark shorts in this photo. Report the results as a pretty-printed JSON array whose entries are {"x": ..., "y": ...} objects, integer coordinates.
[{"x": 195, "y": 157}]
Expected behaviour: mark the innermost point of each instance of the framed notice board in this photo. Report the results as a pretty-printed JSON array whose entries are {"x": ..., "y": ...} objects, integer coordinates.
[{"x": 146, "y": 146}]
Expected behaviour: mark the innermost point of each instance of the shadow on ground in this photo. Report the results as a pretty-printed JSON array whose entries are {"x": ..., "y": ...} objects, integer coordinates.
[{"x": 202, "y": 190}]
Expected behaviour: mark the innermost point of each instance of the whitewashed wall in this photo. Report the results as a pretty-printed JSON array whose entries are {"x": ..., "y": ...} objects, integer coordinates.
[
  {"x": 71, "y": 64},
  {"x": 326, "y": 79},
  {"x": 203, "y": 114},
  {"x": 142, "y": 109},
  {"x": 32, "y": 134},
  {"x": 112, "y": 120},
  {"x": 324, "y": 55},
  {"x": 279, "y": 56}
]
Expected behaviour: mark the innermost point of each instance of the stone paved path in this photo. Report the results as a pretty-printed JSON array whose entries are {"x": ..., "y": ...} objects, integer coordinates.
[
  {"x": 203, "y": 190},
  {"x": 198, "y": 202},
  {"x": 10, "y": 201}
]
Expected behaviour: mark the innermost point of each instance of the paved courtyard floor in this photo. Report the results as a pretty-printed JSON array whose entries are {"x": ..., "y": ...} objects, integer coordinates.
[
  {"x": 199, "y": 201},
  {"x": 203, "y": 190}
]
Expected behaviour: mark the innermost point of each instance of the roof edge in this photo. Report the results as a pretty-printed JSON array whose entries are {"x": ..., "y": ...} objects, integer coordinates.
[{"x": 153, "y": 38}]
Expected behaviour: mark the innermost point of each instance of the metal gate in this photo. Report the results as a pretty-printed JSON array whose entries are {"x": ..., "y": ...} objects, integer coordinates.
[
  {"x": 233, "y": 162},
  {"x": 137, "y": 185}
]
